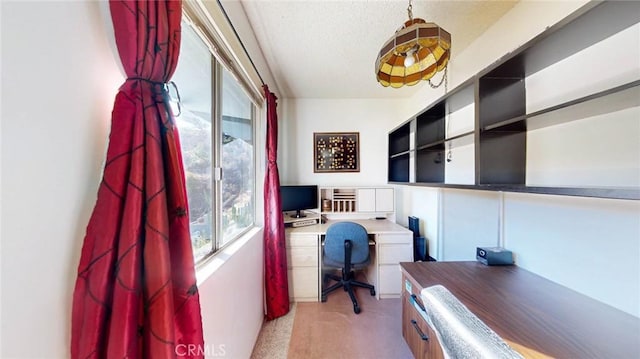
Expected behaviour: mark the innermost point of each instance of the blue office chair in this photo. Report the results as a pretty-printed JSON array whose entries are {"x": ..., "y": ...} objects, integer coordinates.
[{"x": 346, "y": 246}]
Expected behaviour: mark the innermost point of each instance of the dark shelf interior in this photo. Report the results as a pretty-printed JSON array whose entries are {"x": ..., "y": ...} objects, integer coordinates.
[
  {"x": 502, "y": 157},
  {"x": 399, "y": 168},
  {"x": 400, "y": 154},
  {"x": 431, "y": 145},
  {"x": 430, "y": 165},
  {"x": 399, "y": 140},
  {"x": 501, "y": 99},
  {"x": 430, "y": 125}
]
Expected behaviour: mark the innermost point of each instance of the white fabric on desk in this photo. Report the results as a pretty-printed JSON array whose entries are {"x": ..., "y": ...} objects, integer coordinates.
[{"x": 461, "y": 334}]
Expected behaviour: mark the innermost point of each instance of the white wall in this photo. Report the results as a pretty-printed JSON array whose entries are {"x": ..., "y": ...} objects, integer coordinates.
[
  {"x": 423, "y": 202},
  {"x": 591, "y": 245},
  {"x": 302, "y": 117},
  {"x": 469, "y": 219},
  {"x": 59, "y": 80},
  {"x": 231, "y": 288}
]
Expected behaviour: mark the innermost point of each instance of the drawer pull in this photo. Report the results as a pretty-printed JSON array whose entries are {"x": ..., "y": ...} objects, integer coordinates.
[
  {"x": 420, "y": 333},
  {"x": 415, "y": 300}
]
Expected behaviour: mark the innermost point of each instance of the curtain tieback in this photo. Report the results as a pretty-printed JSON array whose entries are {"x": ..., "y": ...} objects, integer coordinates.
[{"x": 161, "y": 91}]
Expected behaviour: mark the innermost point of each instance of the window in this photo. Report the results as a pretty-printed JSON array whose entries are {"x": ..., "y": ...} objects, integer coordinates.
[
  {"x": 237, "y": 159},
  {"x": 216, "y": 125}
]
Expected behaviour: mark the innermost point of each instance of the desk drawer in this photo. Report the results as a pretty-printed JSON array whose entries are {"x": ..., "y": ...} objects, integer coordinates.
[
  {"x": 302, "y": 257},
  {"x": 395, "y": 253},
  {"x": 395, "y": 238},
  {"x": 301, "y": 240},
  {"x": 303, "y": 283},
  {"x": 417, "y": 333},
  {"x": 390, "y": 282}
]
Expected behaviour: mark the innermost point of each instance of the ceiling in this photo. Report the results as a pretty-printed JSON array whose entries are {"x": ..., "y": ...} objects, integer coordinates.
[{"x": 328, "y": 48}]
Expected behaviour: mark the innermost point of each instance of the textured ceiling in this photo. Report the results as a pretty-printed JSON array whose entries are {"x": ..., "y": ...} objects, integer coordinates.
[{"x": 327, "y": 49}]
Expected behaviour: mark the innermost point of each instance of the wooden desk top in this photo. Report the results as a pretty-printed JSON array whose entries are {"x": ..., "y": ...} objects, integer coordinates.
[
  {"x": 537, "y": 317},
  {"x": 373, "y": 226}
]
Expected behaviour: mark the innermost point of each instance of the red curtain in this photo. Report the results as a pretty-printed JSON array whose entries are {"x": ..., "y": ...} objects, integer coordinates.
[
  {"x": 275, "y": 258},
  {"x": 135, "y": 293}
]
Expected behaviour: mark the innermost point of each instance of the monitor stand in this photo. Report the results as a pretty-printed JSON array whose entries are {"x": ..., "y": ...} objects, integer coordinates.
[{"x": 299, "y": 214}]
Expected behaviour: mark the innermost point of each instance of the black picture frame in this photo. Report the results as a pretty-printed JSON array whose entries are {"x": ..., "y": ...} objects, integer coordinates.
[{"x": 336, "y": 152}]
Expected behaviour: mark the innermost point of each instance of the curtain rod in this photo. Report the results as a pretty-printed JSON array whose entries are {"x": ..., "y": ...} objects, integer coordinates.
[{"x": 239, "y": 39}]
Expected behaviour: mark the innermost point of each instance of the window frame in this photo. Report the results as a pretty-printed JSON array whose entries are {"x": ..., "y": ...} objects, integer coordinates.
[
  {"x": 217, "y": 156},
  {"x": 217, "y": 68}
]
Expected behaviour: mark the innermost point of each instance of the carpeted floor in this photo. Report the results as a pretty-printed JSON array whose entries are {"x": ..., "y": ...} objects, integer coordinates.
[
  {"x": 332, "y": 330},
  {"x": 273, "y": 340}
]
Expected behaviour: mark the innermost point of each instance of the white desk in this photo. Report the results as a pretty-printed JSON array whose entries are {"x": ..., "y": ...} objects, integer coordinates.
[{"x": 393, "y": 244}]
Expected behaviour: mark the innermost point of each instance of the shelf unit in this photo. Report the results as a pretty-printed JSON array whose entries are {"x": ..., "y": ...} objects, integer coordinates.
[
  {"x": 357, "y": 202},
  {"x": 540, "y": 89},
  {"x": 399, "y": 144},
  {"x": 342, "y": 200},
  {"x": 430, "y": 126}
]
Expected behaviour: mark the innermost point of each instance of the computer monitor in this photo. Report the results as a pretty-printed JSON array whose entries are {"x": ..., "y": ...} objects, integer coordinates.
[{"x": 298, "y": 198}]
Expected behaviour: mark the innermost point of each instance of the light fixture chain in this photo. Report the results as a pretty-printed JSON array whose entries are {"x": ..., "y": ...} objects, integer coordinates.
[
  {"x": 410, "y": 11},
  {"x": 443, "y": 79}
]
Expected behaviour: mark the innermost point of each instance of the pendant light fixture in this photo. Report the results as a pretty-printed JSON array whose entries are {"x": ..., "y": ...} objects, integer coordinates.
[{"x": 416, "y": 52}]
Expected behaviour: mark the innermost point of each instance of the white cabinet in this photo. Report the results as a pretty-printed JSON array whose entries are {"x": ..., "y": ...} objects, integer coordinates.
[
  {"x": 357, "y": 200},
  {"x": 385, "y": 200},
  {"x": 302, "y": 266},
  {"x": 366, "y": 199},
  {"x": 391, "y": 250}
]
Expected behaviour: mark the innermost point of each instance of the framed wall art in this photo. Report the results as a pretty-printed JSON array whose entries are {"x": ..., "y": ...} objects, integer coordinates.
[{"x": 336, "y": 152}]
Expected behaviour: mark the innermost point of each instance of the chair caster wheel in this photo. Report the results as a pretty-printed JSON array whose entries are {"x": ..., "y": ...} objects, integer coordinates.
[
  {"x": 323, "y": 298},
  {"x": 356, "y": 309},
  {"x": 373, "y": 292}
]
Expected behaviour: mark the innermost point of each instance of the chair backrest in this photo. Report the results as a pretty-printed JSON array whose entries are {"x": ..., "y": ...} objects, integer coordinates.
[{"x": 334, "y": 239}]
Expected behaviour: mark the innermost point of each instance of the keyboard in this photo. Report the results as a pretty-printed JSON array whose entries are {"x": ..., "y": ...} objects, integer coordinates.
[{"x": 304, "y": 222}]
